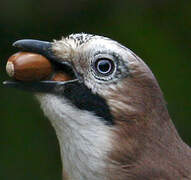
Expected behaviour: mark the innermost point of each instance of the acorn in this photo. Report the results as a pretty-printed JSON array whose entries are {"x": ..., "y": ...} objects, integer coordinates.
[
  {"x": 61, "y": 76},
  {"x": 27, "y": 66}
]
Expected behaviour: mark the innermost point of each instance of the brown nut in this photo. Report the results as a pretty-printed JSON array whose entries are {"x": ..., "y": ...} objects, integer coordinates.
[
  {"x": 61, "y": 76},
  {"x": 27, "y": 66}
]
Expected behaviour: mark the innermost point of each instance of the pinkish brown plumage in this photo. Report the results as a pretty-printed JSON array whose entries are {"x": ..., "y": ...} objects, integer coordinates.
[{"x": 110, "y": 118}]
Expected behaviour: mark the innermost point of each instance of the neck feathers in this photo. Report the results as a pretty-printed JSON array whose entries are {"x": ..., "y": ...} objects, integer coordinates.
[
  {"x": 146, "y": 143},
  {"x": 84, "y": 139}
]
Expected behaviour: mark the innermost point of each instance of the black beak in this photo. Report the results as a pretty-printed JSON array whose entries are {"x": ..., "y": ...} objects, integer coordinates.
[
  {"x": 41, "y": 86},
  {"x": 44, "y": 48},
  {"x": 41, "y": 47}
]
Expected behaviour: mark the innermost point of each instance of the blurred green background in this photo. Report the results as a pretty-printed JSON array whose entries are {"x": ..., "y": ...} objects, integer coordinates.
[{"x": 159, "y": 31}]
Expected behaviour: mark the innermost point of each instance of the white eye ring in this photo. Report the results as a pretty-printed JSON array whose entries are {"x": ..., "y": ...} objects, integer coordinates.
[{"x": 104, "y": 66}]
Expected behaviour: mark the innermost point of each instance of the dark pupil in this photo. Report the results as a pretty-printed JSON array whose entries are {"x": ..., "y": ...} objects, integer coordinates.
[{"x": 104, "y": 66}]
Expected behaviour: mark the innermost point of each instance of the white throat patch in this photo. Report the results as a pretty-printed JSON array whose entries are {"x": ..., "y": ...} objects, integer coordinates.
[{"x": 84, "y": 139}]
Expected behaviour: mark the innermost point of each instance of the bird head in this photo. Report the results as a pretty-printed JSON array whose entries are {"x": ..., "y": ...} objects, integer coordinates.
[{"x": 111, "y": 116}]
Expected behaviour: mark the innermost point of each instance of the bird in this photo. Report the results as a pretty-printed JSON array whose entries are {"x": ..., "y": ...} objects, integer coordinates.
[{"x": 110, "y": 118}]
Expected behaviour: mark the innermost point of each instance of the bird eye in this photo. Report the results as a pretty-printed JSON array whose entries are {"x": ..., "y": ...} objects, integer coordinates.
[{"x": 104, "y": 66}]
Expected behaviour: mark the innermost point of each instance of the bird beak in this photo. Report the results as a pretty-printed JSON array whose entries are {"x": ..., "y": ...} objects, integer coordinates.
[
  {"x": 41, "y": 47},
  {"x": 44, "y": 48}
]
